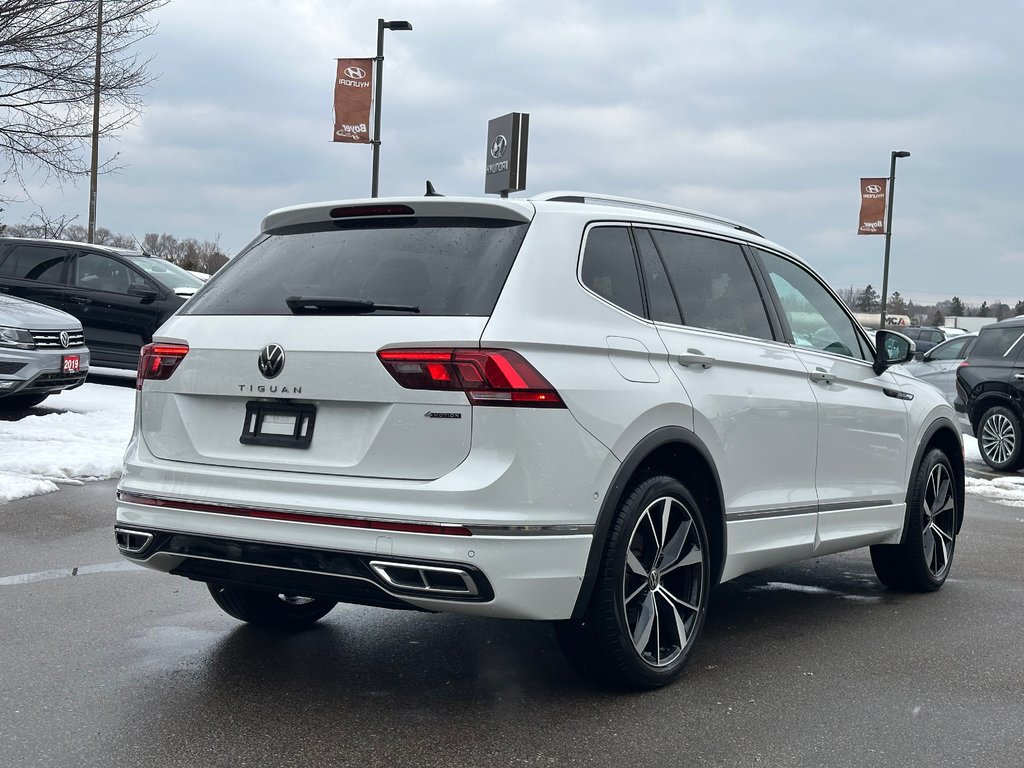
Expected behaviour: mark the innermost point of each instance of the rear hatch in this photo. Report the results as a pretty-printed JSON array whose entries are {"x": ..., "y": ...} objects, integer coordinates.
[{"x": 282, "y": 368}]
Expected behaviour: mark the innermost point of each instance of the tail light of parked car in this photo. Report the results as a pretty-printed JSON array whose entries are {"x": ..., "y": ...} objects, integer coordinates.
[
  {"x": 158, "y": 361},
  {"x": 487, "y": 376}
]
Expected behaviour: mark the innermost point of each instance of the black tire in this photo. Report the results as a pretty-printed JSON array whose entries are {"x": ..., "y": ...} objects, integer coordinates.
[
  {"x": 269, "y": 609},
  {"x": 20, "y": 402},
  {"x": 650, "y": 599},
  {"x": 999, "y": 439},
  {"x": 922, "y": 562}
]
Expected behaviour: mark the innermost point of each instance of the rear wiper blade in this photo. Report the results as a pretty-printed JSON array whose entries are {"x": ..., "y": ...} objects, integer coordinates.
[{"x": 324, "y": 305}]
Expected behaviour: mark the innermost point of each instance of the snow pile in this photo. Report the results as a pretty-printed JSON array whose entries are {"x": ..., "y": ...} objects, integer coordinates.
[{"x": 84, "y": 441}]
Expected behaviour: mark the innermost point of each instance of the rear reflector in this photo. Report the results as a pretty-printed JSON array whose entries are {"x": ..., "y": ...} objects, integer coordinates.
[
  {"x": 158, "y": 361},
  {"x": 487, "y": 376},
  {"x": 442, "y": 529}
]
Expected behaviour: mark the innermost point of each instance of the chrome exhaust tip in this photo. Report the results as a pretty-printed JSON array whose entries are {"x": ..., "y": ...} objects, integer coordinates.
[
  {"x": 428, "y": 579},
  {"x": 132, "y": 542}
]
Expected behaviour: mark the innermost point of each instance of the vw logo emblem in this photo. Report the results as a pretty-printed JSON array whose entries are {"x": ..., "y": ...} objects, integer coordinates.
[
  {"x": 872, "y": 189},
  {"x": 64, "y": 339},
  {"x": 271, "y": 360},
  {"x": 498, "y": 147},
  {"x": 356, "y": 73}
]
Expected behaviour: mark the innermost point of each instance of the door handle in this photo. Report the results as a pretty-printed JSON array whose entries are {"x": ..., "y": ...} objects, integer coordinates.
[
  {"x": 79, "y": 300},
  {"x": 696, "y": 357},
  {"x": 823, "y": 376},
  {"x": 1018, "y": 376}
]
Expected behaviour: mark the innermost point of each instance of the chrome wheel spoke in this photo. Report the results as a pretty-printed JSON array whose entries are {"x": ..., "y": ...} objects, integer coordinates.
[
  {"x": 673, "y": 551},
  {"x": 693, "y": 557},
  {"x": 680, "y": 625},
  {"x": 645, "y": 624},
  {"x": 674, "y": 601},
  {"x": 929, "y": 549},
  {"x": 634, "y": 564}
]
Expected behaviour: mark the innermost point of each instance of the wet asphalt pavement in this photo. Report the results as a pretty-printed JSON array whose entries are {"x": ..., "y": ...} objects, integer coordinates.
[{"x": 815, "y": 664}]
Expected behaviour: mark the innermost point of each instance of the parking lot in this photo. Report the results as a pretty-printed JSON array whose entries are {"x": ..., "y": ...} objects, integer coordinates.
[{"x": 807, "y": 665}]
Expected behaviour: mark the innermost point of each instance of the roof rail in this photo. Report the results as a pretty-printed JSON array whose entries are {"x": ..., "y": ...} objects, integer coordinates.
[{"x": 643, "y": 205}]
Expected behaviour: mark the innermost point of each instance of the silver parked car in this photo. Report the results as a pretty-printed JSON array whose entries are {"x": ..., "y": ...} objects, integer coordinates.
[
  {"x": 938, "y": 365},
  {"x": 42, "y": 352}
]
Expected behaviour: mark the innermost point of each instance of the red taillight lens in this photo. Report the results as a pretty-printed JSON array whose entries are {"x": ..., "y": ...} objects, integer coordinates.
[
  {"x": 487, "y": 376},
  {"x": 158, "y": 361}
]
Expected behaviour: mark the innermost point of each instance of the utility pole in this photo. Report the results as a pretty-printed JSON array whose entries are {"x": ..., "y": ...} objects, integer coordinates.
[{"x": 95, "y": 123}]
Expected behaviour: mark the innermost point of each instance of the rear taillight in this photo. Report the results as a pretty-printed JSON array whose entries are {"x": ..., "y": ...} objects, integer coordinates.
[
  {"x": 487, "y": 376},
  {"x": 158, "y": 361}
]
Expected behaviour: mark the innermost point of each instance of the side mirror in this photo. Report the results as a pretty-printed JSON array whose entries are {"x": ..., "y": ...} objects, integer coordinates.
[
  {"x": 892, "y": 348},
  {"x": 144, "y": 293}
]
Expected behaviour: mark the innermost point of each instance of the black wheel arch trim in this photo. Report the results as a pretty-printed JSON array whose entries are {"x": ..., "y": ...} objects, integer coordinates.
[
  {"x": 939, "y": 425},
  {"x": 659, "y": 438}
]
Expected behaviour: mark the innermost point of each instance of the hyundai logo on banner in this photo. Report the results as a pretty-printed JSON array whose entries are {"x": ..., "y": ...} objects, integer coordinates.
[{"x": 505, "y": 164}]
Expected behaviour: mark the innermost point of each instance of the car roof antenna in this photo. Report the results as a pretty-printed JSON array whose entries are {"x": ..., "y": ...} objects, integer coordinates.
[{"x": 431, "y": 192}]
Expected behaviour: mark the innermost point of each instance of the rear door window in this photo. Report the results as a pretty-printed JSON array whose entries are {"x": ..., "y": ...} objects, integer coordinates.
[
  {"x": 34, "y": 262},
  {"x": 713, "y": 284},
  {"x": 439, "y": 265}
]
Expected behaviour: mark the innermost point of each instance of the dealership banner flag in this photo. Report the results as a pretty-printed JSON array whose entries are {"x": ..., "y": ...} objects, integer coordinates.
[
  {"x": 353, "y": 95},
  {"x": 872, "y": 206}
]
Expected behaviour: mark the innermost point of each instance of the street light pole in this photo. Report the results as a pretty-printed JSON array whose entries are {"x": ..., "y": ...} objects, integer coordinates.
[
  {"x": 375, "y": 141},
  {"x": 888, "y": 228},
  {"x": 93, "y": 170}
]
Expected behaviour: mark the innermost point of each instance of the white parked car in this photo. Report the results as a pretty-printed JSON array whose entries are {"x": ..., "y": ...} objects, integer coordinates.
[{"x": 567, "y": 408}]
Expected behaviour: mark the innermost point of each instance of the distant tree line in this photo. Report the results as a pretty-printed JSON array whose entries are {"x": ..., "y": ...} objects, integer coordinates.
[
  {"x": 868, "y": 300},
  {"x": 189, "y": 253}
]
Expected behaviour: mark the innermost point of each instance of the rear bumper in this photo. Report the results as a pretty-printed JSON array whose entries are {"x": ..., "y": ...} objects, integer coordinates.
[
  {"x": 518, "y": 520},
  {"x": 515, "y": 576}
]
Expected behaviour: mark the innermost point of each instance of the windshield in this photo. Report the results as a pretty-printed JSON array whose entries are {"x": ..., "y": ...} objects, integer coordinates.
[
  {"x": 170, "y": 275},
  {"x": 423, "y": 266}
]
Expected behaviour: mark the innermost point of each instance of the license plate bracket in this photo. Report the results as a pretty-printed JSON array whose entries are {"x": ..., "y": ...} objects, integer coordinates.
[{"x": 283, "y": 425}]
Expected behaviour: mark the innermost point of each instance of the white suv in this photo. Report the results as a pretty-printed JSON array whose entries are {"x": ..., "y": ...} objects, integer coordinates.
[{"x": 571, "y": 408}]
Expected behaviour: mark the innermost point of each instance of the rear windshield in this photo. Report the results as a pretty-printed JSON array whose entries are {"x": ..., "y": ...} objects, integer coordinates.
[
  {"x": 443, "y": 266},
  {"x": 997, "y": 342}
]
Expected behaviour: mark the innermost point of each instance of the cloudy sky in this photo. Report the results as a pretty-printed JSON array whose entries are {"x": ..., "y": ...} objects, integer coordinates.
[{"x": 765, "y": 111}]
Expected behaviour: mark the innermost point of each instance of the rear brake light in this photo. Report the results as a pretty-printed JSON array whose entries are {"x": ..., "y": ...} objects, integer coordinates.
[
  {"x": 487, "y": 376},
  {"x": 352, "y": 211},
  {"x": 158, "y": 361}
]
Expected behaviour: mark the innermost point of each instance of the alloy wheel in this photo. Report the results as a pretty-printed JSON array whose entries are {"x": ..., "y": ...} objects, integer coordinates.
[
  {"x": 663, "y": 581},
  {"x": 939, "y": 520},
  {"x": 998, "y": 438}
]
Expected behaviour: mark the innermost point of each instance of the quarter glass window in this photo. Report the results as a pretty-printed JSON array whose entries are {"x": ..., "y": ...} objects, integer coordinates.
[{"x": 609, "y": 268}]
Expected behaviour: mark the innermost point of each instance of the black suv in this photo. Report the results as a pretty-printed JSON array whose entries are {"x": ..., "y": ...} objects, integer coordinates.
[
  {"x": 120, "y": 296},
  {"x": 989, "y": 389}
]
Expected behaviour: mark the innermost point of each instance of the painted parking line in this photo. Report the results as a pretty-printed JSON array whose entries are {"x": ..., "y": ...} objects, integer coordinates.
[{"x": 63, "y": 573}]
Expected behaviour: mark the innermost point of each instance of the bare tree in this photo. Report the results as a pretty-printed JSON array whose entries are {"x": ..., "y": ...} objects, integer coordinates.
[
  {"x": 47, "y": 66},
  {"x": 41, "y": 225}
]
